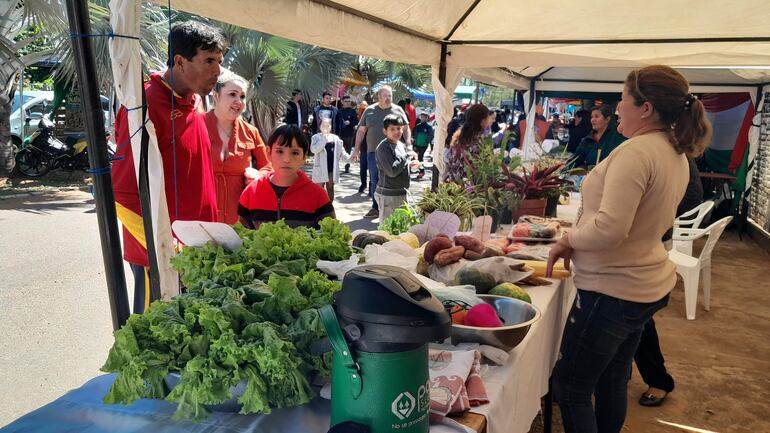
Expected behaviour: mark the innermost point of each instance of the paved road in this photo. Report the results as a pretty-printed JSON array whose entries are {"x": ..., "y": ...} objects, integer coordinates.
[{"x": 54, "y": 311}]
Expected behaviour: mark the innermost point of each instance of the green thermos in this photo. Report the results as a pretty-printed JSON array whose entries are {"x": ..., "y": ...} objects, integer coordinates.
[{"x": 379, "y": 327}]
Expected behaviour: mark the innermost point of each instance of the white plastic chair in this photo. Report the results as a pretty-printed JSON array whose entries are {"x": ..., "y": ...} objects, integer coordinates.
[
  {"x": 692, "y": 268},
  {"x": 692, "y": 219}
]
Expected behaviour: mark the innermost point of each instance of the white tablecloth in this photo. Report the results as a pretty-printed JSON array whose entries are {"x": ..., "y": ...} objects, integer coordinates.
[{"x": 515, "y": 389}]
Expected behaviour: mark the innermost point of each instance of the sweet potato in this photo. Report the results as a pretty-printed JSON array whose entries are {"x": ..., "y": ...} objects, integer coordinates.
[
  {"x": 435, "y": 245},
  {"x": 471, "y": 255},
  {"x": 470, "y": 243},
  {"x": 449, "y": 255}
]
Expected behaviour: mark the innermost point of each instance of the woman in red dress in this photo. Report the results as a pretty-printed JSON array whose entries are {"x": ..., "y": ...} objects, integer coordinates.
[{"x": 239, "y": 161}]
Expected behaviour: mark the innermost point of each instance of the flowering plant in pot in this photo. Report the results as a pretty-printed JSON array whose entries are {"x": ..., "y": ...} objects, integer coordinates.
[{"x": 535, "y": 186}]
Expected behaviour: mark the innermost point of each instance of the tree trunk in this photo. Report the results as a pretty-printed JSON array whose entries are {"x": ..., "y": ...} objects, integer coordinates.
[
  {"x": 6, "y": 145},
  {"x": 264, "y": 119}
]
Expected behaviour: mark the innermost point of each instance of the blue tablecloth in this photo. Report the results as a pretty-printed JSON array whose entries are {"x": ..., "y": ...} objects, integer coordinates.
[{"x": 82, "y": 411}]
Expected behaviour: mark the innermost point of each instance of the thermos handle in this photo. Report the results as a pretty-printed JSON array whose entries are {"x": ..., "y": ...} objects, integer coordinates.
[{"x": 341, "y": 349}]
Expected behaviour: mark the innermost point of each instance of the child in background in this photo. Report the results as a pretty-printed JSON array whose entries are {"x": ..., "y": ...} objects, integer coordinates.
[
  {"x": 285, "y": 192},
  {"x": 393, "y": 167},
  {"x": 423, "y": 137},
  {"x": 328, "y": 149}
]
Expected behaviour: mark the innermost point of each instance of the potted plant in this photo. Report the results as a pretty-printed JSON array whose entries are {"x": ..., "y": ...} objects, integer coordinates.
[
  {"x": 453, "y": 198},
  {"x": 535, "y": 186},
  {"x": 486, "y": 181}
]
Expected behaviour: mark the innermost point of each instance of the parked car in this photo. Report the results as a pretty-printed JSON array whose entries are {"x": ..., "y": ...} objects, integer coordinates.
[{"x": 36, "y": 105}]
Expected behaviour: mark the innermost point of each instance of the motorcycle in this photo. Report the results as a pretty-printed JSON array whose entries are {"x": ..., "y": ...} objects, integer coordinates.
[{"x": 42, "y": 152}]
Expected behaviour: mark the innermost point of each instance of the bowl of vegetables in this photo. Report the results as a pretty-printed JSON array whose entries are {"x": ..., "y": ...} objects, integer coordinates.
[{"x": 499, "y": 321}]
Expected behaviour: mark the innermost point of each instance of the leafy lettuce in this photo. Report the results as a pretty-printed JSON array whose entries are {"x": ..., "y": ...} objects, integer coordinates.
[{"x": 248, "y": 316}]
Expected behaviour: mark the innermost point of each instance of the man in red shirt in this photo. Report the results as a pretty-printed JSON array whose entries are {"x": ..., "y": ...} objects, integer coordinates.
[
  {"x": 411, "y": 113},
  {"x": 190, "y": 193}
]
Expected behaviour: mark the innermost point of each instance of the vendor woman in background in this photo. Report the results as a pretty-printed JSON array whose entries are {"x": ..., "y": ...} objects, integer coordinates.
[
  {"x": 622, "y": 270},
  {"x": 237, "y": 150},
  {"x": 602, "y": 140}
]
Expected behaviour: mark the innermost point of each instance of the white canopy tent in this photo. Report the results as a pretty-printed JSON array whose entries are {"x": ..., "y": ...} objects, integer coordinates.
[
  {"x": 508, "y": 43},
  {"x": 521, "y": 45}
]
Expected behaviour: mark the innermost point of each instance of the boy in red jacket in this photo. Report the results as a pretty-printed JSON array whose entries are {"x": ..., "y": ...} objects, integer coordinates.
[{"x": 286, "y": 192}]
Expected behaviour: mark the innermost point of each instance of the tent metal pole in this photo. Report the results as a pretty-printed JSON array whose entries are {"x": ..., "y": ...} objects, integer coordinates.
[
  {"x": 531, "y": 96},
  {"x": 442, "y": 79},
  {"x": 106, "y": 216}
]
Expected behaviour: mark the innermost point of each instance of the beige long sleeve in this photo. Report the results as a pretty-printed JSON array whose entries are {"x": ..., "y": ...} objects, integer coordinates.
[{"x": 629, "y": 201}]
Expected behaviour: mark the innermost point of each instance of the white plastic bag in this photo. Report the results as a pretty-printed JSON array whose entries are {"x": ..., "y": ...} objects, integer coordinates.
[
  {"x": 394, "y": 253},
  {"x": 445, "y": 274},
  {"x": 465, "y": 294},
  {"x": 500, "y": 268},
  {"x": 339, "y": 268}
]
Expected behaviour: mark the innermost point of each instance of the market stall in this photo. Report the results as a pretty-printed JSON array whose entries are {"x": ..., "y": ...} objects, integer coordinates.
[
  {"x": 514, "y": 397},
  {"x": 265, "y": 309},
  {"x": 462, "y": 37}
]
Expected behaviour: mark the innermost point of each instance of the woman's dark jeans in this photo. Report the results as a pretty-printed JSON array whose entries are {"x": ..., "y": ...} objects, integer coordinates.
[{"x": 597, "y": 348}]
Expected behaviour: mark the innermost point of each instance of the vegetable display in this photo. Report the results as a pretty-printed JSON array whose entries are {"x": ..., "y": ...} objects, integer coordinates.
[
  {"x": 401, "y": 220},
  {"x": 248, "y": 315}
]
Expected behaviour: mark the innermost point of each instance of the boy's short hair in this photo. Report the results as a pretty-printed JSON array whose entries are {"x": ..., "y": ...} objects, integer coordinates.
[
  {"x": 325, "y": 94},
  {"x": 185, "y": 38},
  {"x": 295, "y": 92},
  {"x": 392, "y": 119},
  {"x": 285, "y": 134}
]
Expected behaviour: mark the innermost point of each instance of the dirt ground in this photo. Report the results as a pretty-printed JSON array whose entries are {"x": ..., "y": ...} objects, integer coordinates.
[{"x": 721, "y": 360}]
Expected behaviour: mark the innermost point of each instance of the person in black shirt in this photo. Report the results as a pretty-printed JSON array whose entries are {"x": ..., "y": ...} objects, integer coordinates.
[
  {"x": 294, "y": 110},
  {"x": 648, "y": 357},
  {"x": 325, "y": 110},
  {"x": 347, "y": 119},
  {"x": 581, "y": 127}
]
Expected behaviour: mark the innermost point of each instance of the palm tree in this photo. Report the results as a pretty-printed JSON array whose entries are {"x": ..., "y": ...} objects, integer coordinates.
[
  {"x": 18, "y": 15},
  {"x": 15, "y": 17},
  {"x": 274, "y": 66},
  {"x": 153, "y": 39}
]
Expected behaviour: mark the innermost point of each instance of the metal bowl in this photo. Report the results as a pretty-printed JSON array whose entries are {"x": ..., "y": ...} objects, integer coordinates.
[{"x": 517, "y": 317}]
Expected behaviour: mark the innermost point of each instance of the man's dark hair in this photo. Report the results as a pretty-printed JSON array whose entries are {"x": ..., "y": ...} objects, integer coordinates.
[
  {"x": 392, "y": 119},
  {"x": 345, "y": 98},
  {"x": 295, "y": 92},
  {"x": 185, "y": 38},
  {"x": 325, "y": 94},
  {"x": 285, "y": 134},
  {"x": 408, "y": 100}
]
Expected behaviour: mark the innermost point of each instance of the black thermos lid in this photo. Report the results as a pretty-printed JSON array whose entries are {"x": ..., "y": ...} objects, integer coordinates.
[{"x": 391, "y": 308}]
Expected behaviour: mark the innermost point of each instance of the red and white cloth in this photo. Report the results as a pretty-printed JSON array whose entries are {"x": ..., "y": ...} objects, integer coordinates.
[{"x": 456, "y": 384}]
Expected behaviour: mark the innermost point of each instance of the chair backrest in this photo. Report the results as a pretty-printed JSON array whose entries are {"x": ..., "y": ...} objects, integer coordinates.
[
  {"x": 715, "y": 232},
  {"x": 700, "y": 213}
]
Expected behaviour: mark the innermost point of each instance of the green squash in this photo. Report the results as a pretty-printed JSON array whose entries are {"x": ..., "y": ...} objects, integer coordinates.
[
  {"x": 512, "y": 291},
  {"x": 364, "y": 239},
  {"x": 474, "y": 277}
]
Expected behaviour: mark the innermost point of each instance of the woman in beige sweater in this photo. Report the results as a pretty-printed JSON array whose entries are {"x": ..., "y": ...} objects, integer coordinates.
[{"x": 621, "y": 268}]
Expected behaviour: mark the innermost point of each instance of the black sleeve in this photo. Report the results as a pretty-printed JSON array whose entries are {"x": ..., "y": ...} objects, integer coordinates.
[
  {"x": 322, "y": 212},
  {"x": 693, "y": 196}
]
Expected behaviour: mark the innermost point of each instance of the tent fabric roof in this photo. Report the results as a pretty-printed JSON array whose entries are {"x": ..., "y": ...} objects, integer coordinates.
[{"x": 499, "y": 33}]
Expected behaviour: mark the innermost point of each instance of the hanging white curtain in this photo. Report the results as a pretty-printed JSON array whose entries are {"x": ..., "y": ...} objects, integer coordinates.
[
  {"x": 126, "y": 57},
  {"x": 443, "y": 95}
]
